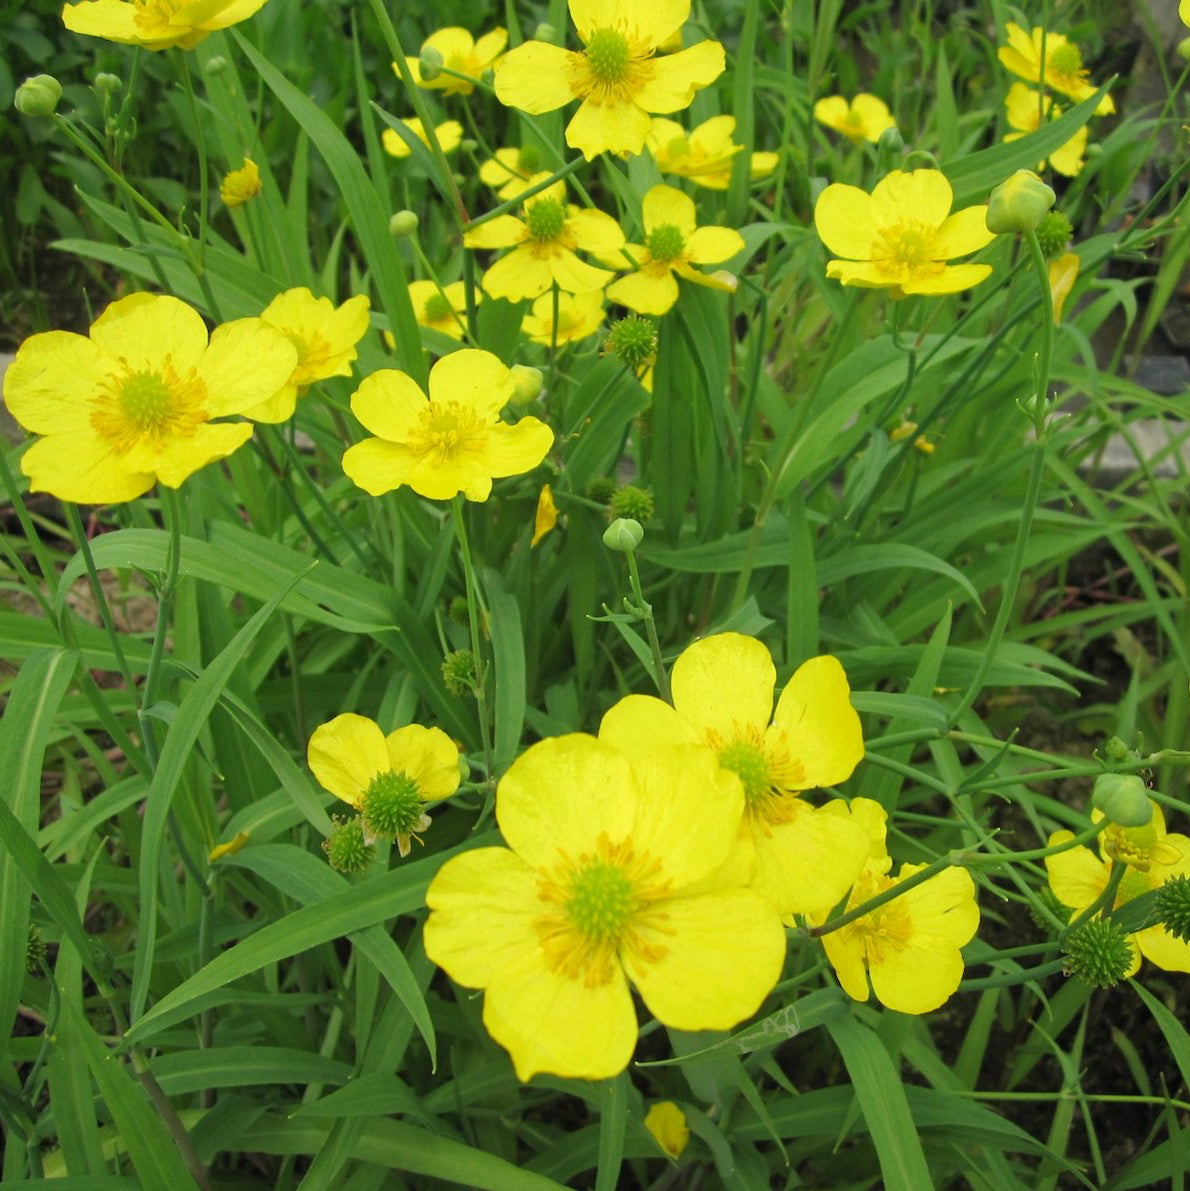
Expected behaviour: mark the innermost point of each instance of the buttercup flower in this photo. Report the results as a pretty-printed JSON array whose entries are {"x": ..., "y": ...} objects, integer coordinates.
[
  {"x": 673, "y": 244},
  {"x": 618, "y": 75},
  {"x": 388, "y": 779},
  {"x": 510, "y": 172},
  {"x": 863, "y": 119},
  {"x": 1061, "y": 66},
  {"x": 1024, "y": 107},
  {"x": 451, "y": 442},
  {"x": 901, "y": 235},
  {"x": 543, "y": 245},
  {"x": 442, "y": 309},
  {"x": 1078, "y": 877},
  {"x": 132, "y": 403},
  {"x": 449, "y": 134},
  {"x": 460, "y": 53},
  {"x": 667, "y": 1123},
  {"x": 324, "y": 336},
  {"x": 908, "y": 947},
  {"x": 240, "y": 186},
  {"x": 722, "y": 686},
  {"x": 546, "y": 516},
  {"x": 705, "y": 155},
  {"x": 579, "y": 315},
  {"x": 614, "y": 873},
  {"x": 156, "y": 24}
]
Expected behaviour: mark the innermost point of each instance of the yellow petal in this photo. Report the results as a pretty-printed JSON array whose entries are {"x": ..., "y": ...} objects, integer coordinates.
[
  {"x": 832, "y": 110},
  {"x": 594, "y": 231},
  {"x": 112, "y": 19},
  {"x": 516, "y": 449},
  {"x": 473, "y": 378},
  {"x": 535, "y": 77},
  {"x": 502, "y": 232},
  {"x": 664, "y": 205},
  {"x": 389, "y": 404},
  {"x": 180, "y": 457},
  {"x": 844, "y": 220},
  {"x": 952, "y": 279},
  {"x": 143, "y": 329},
  {"x": 619, "y": 126},
  {"x": 1076, "y": 876},
  {"x": 246, "y": 363},
  {"x": 653, "y": 23},
  {"x": 646, "y": 293},
  {"x": 723, "y": 685},
  {"x": 917, "y": 978},
  {"x": 676, "y": 78},
  {"x": 639, "y": 723},
  {"x": 428, "y": 756},
  {"x": 378, "y": 466},
  {"x": 575, "y": 276},
  {"x": 518, "y": 276},
  {"x": 278, "y": 408},
  {"x": 490, "y": 45},
  {"x": 48, "y": 387},
  {"x": 1158, "y": 946},
  {"x": 667, "y": 1123},
  {"x": 712, "y": 245},
  {"x": 818, "y": 723},
  {"x": 546, "y": 516},
  {"x": 82, "y": 467},
  {"x": 720, "y": 956},
  {"x": 345, "y": 754},
  {"x": 847, "y": 953},
  {"x": 1063, "y": 273},
  {"x": 964, "y": 232},
  {"x": 923, "y": 195}
]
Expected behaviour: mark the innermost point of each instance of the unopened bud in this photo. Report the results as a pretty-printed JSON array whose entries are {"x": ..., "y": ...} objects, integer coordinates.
[
  {"x": 1184, "y": 49},
  {"x": 38, "y": 96},
  {"x": 1018, "y": 204},
  {"x": 529, "y": 383},
  {"x": 403, "y": 223},
  {"x": 429, "y": 64},
  {"x": 545, "y": 32},
  {"x": 624, "y": 534},
  {"x": 216, "y": 65},
  {"x": 1123, "y": 799},
  {"x": 108, "y": 84}
]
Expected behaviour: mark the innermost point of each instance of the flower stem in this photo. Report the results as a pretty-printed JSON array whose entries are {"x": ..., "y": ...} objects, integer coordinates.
[{"x": 645, "y": 610}]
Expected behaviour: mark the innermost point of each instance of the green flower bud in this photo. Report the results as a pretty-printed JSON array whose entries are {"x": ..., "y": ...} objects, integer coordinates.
[
  {"x": 1097, "y": 952},
  {"x": 545, "y": 32},
  {"x": 890, "y": 148},
  {"x": 529, "y": 383},
  {"x": 38, "y": 96},
  {"x": 403, "y": 223},
  {"x": 601, "y": 489},
  {"x": 1018, "y": 204},
  {"x": 347, "y": 851},
  {"x": 623, "y": 534},
  {"x": 1184, "y": 49},
  {"x": 216, "y": 66},
  {"x": 633, "y": 341},
  {"x": 632, "y": 502},
  {"x": 429, "y": 63},
  {"x": 459, "y": 611},
  {"x": 1053, "y": 234},
  {"x": 1116, "y": 749},
  {"x": 1173, "y": 907},
  {"x": 1123, "y": 799},
  {"x": 458, "y": 671},
  {"x": 108, "y": 84},
  {"x": 35, "y": 951},
  {"x": 468, "y": 145}
]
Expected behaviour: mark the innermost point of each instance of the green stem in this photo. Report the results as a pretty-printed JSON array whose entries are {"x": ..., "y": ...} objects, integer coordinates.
[
  {"x": 473, "y": 616},
  {"x": 1106, "y": 898},
  {"x": 645, "y": 609},
  {"x": 173, "y": 559},
  {"x": 874, "y": 903}
]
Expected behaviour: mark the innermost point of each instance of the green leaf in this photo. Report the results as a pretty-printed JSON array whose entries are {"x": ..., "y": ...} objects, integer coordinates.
[
  {"x": 508, "y": 651},
  {"x": 613, "y": 1117},
  {"x": 1175, "y": 1033},
  {"x": 244, "y": 1066}
]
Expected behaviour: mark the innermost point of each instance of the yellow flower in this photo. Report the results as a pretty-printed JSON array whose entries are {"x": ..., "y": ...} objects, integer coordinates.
[
  {"x": 617, "y": 75},
  {"x": 615, "y": 872},
  {"x": 543, "y": 245},
  {"x": 156, "y": 24},
  {"x": 133, "y": 403},
  {"x": 900, "y": 236},
  {"x": 908, "y": 947},
  {"x": 460, "y": 53},
  {"x": 579, "y": 315},
  {"x": 705, "y": 155},
  {"x": 546, "y": 517},
  {"x": 451, "y": 442},
  {"x": 1078, "y": 877},
  {"x": 240, "y": 186},
  {"x": 1024, "y": 114},
  {"x": 510, "y": 172},
  {"x": 1061, "y": 69},
  {"x": 673, "y": 244},
  {"x": 449, "y": 134},
  {"x": 388, "y": 779},
  {"x": 1063, "y": 273},
  {"x": 863, "y": 119},
  {"x": 667, "y": 1123},
  {"x": 806, "y": 858},
  {"x": 324, "y": 336},
  {"x": 442, "y": 309}
]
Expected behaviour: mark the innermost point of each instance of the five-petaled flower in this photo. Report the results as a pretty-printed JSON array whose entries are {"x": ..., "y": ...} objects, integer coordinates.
[
  {"x": 673, "y": 244},
  {"x": 615, "y": 872},
  {"x": 908, "y": 947},
  {"x": 722, "y": 686},
  {"x": 510, "y": 172},
  {"x": 449, "y": 135},
  {"x": 618, "y": 75},
  {"x": 1024, "y": 108},
  {"x": 901, "y": 236},
  {"x": 579, "y": 315},
  {"x": 865, "y": 118},
  {"x": 705, "y": 154},
  {"x": 388, "y": 779},
  {"x": 461, "y": 54},
  {"x": 543, "y": 247},
  {"x": 133, "y": 402},
  {"x": 451, "y": 442},
  {"x": 441, "y": 308},
  {"x": 1050, "y": 59},
  {"x": 156, "y": 24},
  {"x": 1078, "y": 878}
]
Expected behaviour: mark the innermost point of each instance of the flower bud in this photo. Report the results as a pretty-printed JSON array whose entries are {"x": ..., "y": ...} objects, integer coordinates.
[
  {"x": 1116, "y": 749},
  {"x": 1123, "y": 799},
  {"x": 468, "y": 144},
  {"x": 403, "y": 223},
  {"x": 528, "y": 384},
  {"x": 429, "y": 64},
  {"x": 216, "y": 65},
  {"x": 346, "y": 849},
  {"x": 601, "y": 489},
  {"x": 458, "y": 672},
  {"x": 108, "y": 84},
  {"x": 545, "y": 32},
  {"x": 1018, "y": 204},
  {"x": 459, "y": 610},
  {"x": 1184, "y": 49},
  {"x": 38, "y": 96},
  {"x": 1173, "y": 907},
  {"x": 1097, "y": 952},
  {"x": 623, "y": 534},
  {"x": 35, "y": 951}
]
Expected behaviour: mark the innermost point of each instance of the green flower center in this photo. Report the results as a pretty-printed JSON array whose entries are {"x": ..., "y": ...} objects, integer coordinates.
[
  {"x": 392, "y": 804},
  {"x": 146, "y": 401},
  {"x": 633, "y": 340},
  {"x": 608, "y": 56},
  {"x": 665, "y": 243},
  {"x": 545, "y": 220},
  {"x": 528, "y": 159},
  {"x": 599, "y": 903},
  {"x": 678, "y": 147},
  {"x": 1064, "y": 59},
  {"x": 750, "y": 764},
  {"x": 156, "y": 406},
  {"x": 437, "y": 308}
]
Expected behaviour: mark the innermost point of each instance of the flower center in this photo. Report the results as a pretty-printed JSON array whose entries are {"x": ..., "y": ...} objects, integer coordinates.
[
  {"x": 1064, "y": 59},
  {"x": 545, "y": 220},
  {"x": 149, "y": 405},
  {"x": 600, "y": 902},
  {"x": 1139, "y": 847},
  {"x": 447, "y": 429},
  {"x": 392, "y": 805},
  {"x": 437, "y": 308},
  {"x": 608, "y": 56},
  {"x": 885, "y": 930},
  {"x": 749, "y": 762},
  {"x": 665, "y": 243},
  {"x": 150, "y": 13},
  {"x": 853, "y": 119},
  {"x": 528, "y": 159},
  {"x": 908, "y": 247},
  {"x": 678, "y": 147}
]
